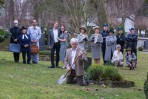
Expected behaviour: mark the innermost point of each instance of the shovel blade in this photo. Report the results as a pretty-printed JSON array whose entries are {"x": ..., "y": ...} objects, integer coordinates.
[{"x": 61, "y": 79}]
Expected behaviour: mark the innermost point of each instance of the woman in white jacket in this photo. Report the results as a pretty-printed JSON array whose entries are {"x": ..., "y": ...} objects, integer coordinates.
[{"x": 117, "y": 59}]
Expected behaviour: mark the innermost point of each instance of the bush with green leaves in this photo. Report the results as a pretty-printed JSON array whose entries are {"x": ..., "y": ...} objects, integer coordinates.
[
  {"x": 140, "y": 48},
  {"x": 146, "y": 87},
  {"x": 98, "y": 73},
  {"x": 45, "y": 52},
  {"x": 3, "y": 35}
]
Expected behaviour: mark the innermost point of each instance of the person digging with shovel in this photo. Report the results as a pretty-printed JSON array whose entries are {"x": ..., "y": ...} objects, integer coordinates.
[{"x": 74, "y": 62}]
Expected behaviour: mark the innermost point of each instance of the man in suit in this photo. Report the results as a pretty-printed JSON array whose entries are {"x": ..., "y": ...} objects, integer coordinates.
[
  {"x": 74, "y": 62},
  {"x": 54, "y": 44},
  {"x": 15, "y": 32}
]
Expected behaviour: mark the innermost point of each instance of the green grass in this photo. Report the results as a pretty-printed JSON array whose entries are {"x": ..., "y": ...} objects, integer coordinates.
[{"x": 19, "y": 81}]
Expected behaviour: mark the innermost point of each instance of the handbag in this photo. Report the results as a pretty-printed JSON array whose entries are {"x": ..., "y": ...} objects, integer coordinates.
[
  {"x": 14, "y": 48},
  {"x": 34, "y": 49}
]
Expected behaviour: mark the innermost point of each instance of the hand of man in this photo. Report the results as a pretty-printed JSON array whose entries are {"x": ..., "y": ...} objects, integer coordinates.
[
  {"x": 26, "y": 45},
  {"x": 65, "y": 32},
  {"x": 68, "y": 69},
  {"x": 15, "y": 40},
  {"x": 80, "y": 54}
]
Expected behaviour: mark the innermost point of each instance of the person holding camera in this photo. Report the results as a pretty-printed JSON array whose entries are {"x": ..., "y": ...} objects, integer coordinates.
[{"x": 96, "y": 40}]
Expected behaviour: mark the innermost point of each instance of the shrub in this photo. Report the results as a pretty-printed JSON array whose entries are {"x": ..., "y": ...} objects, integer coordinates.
[
  {"x": 146, "y": 87},
  {"x": 140, "y": 49},
  {"x": 95, "y": 72},
  {"x": 104, "y": 73},
  {"x": 3, "y": 35},
  {"x": 45, "y": 52}
]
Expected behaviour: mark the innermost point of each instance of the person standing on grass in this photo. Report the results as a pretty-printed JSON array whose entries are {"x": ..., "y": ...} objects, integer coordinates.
[
  {"x": 132, "y": 39},
  {"x": 117, "y": 59},
  {"x": 131, "y": 58},
  {"x": 105, "y": 33},
  {"x": 25, "y": 41},
  {"x": 110, "y": 46},
  {"x": 74, "y": 62},
  {"x": 15, "y": 32},
  {"x": 35, "y": 34},
  {"x": 121, "y": 39},
  {"x": 83, "y": 39},
  {"x": 96, "y": 43},
  {"x": 63, "y": 43},
  {"x": 54, "y": 44}
]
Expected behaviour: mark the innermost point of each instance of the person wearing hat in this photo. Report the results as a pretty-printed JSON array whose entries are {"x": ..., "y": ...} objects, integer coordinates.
[
  {"x": 25, "y": 41},
  {"x": 105, "y": 33},
  {"x": 110, "y": 46},
  {"x": 83, "y": 39},
  {"x": 131, "y": 40},
  {"x": 96, "y": 40},
  {"x": 15, "y": 32},
  {"x": 131, "y": 58},
  {"x": 117, "y": 59},
  {"x": 121, "y": 38}
]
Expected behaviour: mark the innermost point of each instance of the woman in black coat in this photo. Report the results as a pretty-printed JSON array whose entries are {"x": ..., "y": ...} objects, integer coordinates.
[
  {"x": 15, "y": 32},
  {"x": 121, "y": 39},
  {"x": 25, "y": 41}
]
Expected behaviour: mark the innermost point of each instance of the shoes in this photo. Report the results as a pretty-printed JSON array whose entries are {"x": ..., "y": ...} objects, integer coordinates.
[
  {"x": 63, "y": 67},
  {"x": 51, "y": 67},
  {"x": 58, "y": 67},
  {"x": 34, "y": 62}
]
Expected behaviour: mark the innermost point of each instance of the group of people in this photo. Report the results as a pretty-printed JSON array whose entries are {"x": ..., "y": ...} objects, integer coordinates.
[
  {"x": 26, "y": 37},
  {"x": 104, "y": 43}
]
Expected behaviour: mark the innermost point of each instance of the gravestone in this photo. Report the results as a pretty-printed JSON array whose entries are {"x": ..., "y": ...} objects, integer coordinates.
[
  {"x": 146, "y": 44},
  {"x": 42, "y": 42}
]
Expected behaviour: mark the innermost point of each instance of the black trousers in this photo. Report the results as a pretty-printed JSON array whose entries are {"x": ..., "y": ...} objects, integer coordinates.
[
  {"x": 103, "y": 51},
  {"x": 56, "y": 47},
  {"x": 72, "y": 79},
  {"x": 16, "y": 57},
  {"x": 28, "y": 53},
  {"x": 135, "y": 51}
]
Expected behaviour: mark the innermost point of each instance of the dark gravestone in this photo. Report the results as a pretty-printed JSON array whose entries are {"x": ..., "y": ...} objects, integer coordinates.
[
  {"x": 88, "y": 63},
  {"x": 42, "y": 42},
  {"x": 146, "y": 44}
]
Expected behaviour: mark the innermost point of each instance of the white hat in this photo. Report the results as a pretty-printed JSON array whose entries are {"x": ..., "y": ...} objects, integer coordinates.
[
  {"x": 15, "y": 21},
  {"x": 96, "y": 27}
]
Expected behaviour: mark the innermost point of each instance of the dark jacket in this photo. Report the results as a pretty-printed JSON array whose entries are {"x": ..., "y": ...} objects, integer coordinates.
[
  {"x": 24, "y": 41},
  {"x": 120, "y": 39},
  {"x": 15, "y": 32},
  {"x": 132, "y": 41},
  {"x": 104, "y": 35},
  {"x": 51, "y": 37}
]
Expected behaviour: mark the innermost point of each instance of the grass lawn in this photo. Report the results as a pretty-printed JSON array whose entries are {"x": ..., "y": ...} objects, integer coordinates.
[{"x": 19, "y": 81}]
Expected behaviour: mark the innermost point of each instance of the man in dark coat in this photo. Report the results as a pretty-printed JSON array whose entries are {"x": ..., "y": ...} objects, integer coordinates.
[
  {"x": 132, "y": 39},
  {"x": 15, "y": 32},
  {"x": 54, "y": 44},
  {"x": 121, "y": 39},
  {"x": 105, "y": 33}
]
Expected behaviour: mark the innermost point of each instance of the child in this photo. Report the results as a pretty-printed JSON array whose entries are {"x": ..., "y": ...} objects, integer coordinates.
[{"x": 25, "y": 41}]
